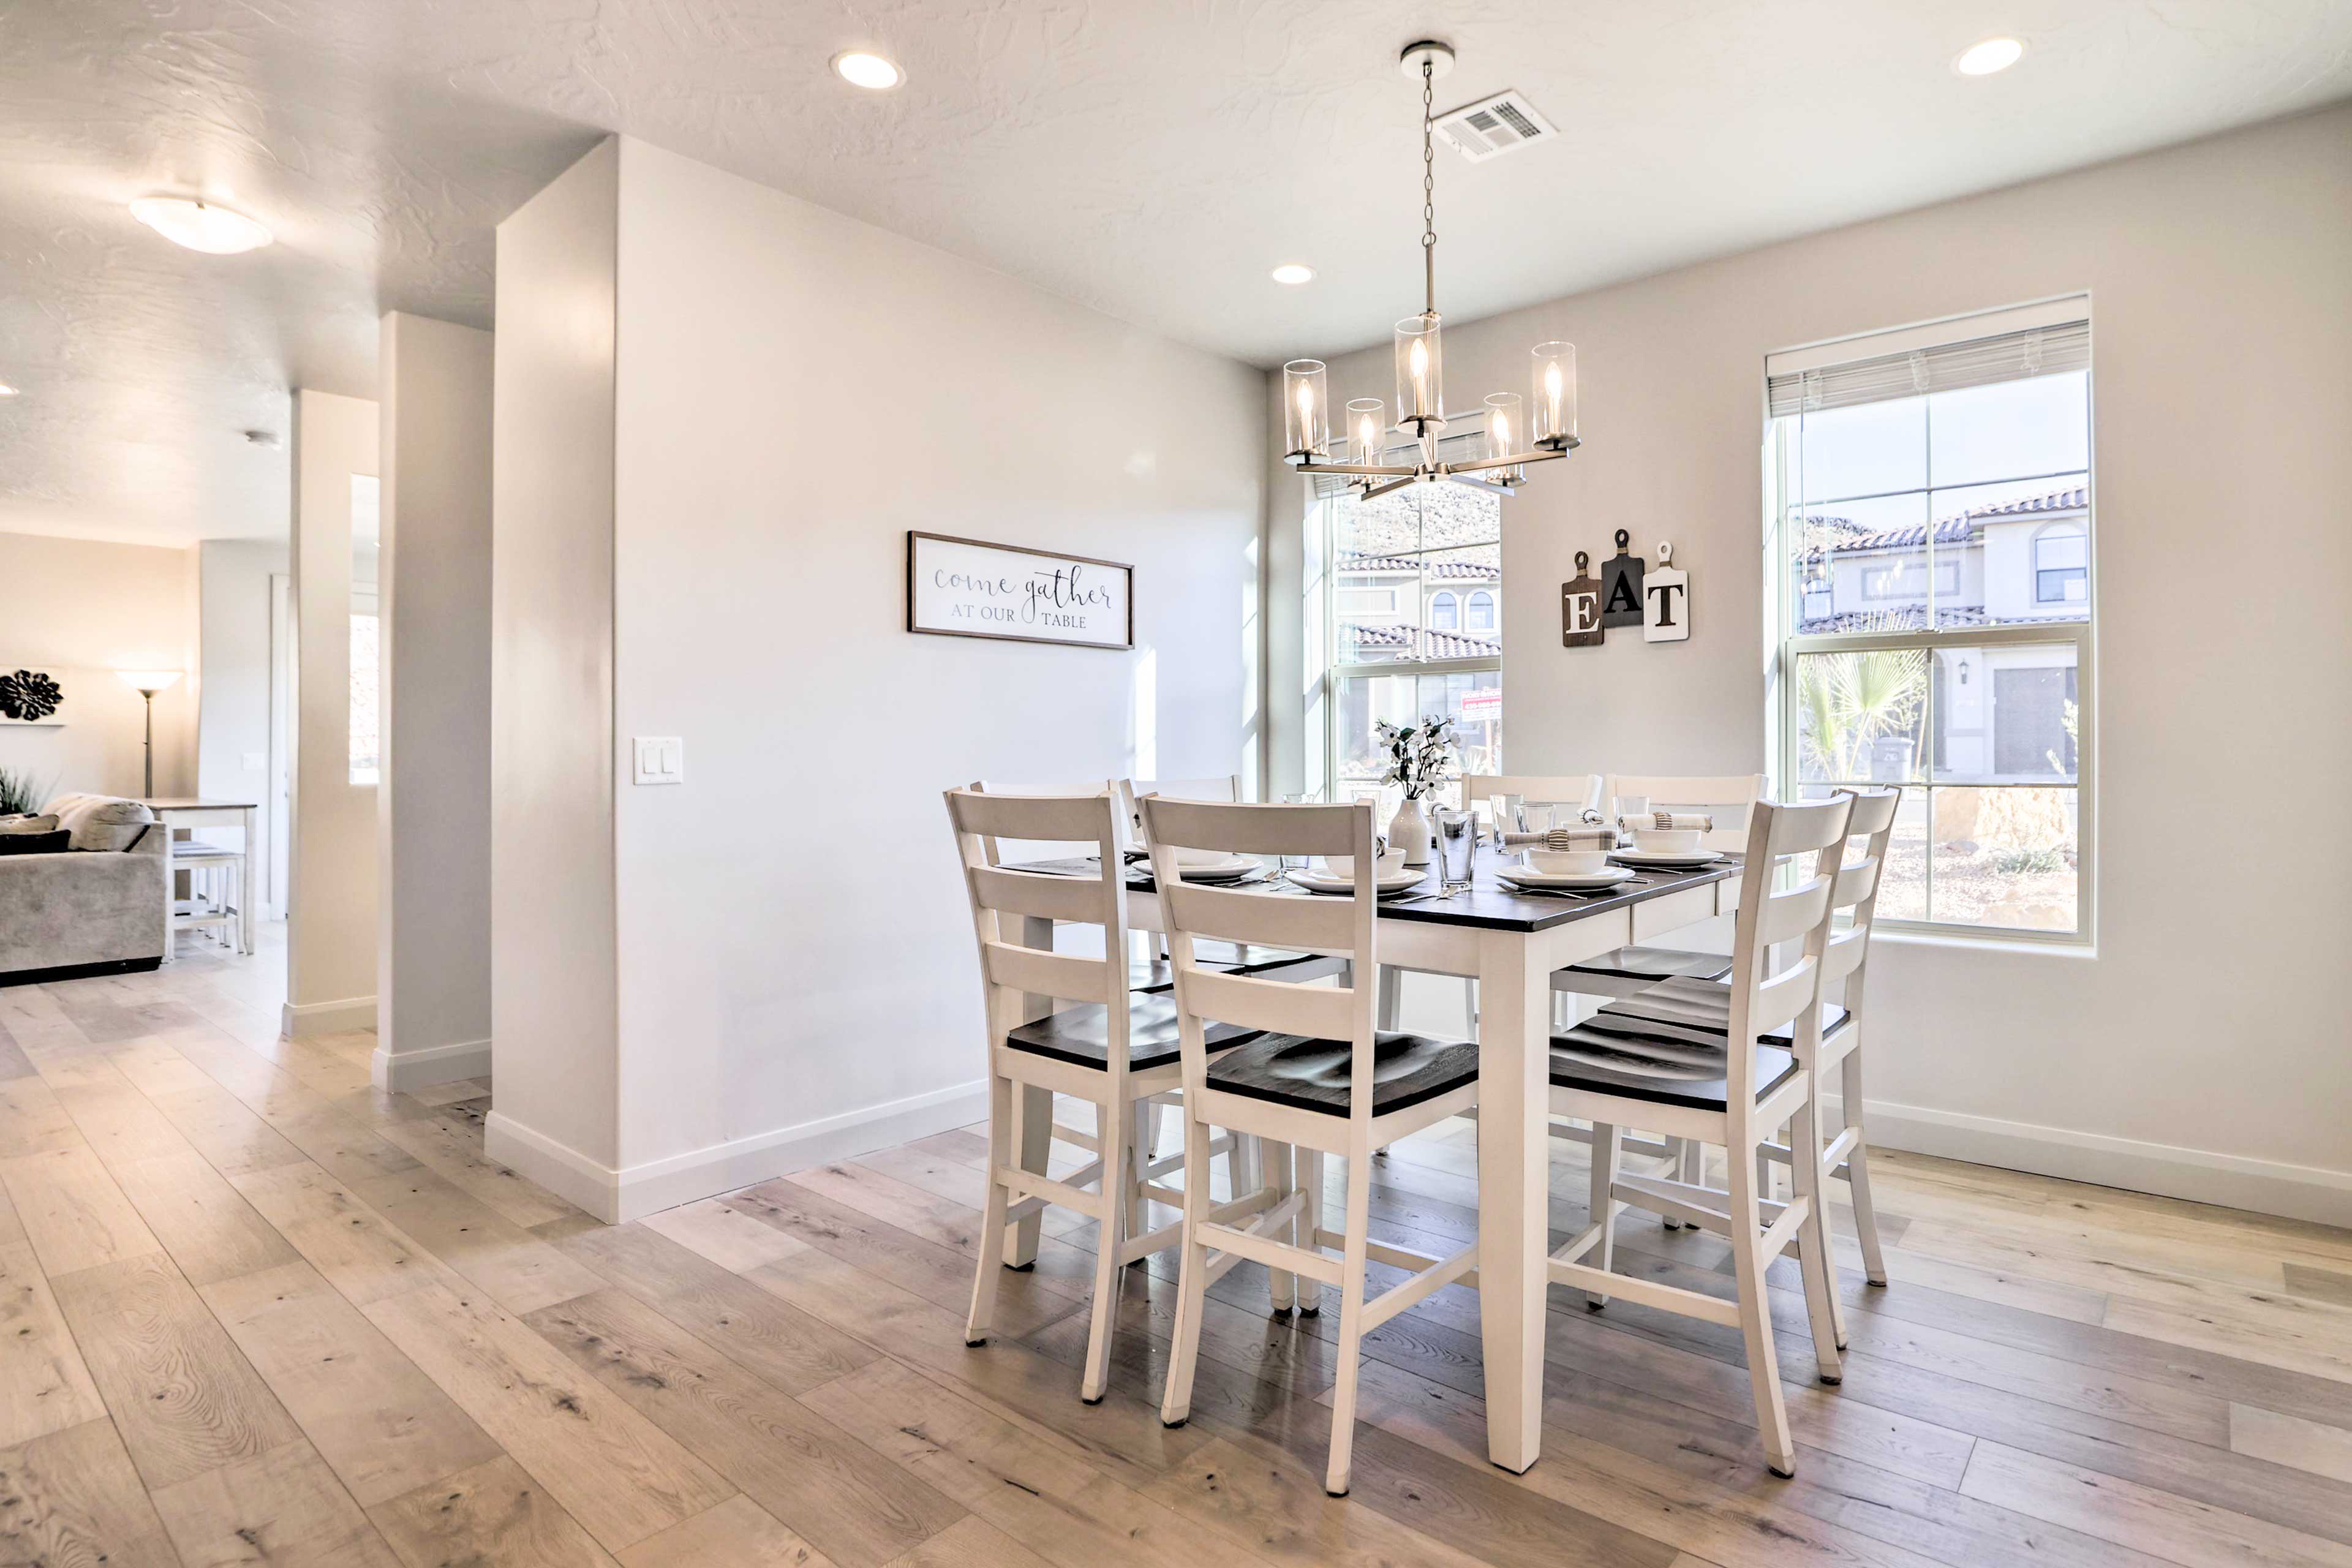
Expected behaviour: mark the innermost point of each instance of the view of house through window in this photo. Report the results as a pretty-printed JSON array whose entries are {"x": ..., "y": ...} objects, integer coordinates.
[
  {"x": 1934, "y": 508},
  {"x": 1416, "y": 627}
]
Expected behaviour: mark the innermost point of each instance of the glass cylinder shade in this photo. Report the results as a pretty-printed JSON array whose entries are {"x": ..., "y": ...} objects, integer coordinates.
[
  {"x": 1505, "y": 428},
  {"x": 1553, "y": 423},
  {"x": 1420, "y": 371},
  {"x": 1366, "y": 425},
  {"x": 1306, "y": 410}
]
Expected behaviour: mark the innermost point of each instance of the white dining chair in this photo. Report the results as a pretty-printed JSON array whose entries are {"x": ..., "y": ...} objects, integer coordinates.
[
  {"x": 1845, "y": 963},
  {"x": 1722, "y": 1062},
  {"x": 1115, "y": 1048},
  {"x": 1626, "y": 970},
  {"x": 1317, "y": 1077}
]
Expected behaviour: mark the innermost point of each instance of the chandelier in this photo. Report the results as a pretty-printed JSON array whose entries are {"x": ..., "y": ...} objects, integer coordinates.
[{"x": 1511, "y": 434}]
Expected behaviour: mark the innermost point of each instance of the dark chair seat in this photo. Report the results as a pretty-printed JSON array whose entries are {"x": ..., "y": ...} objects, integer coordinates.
[
  {"x": 1668, "y": 1044},
  {"x": 1644, "y": 966},
  {"x": 1081, "y": 1035},
  {"x": 1313, "y": 1075},
  {"x": 1160, "y": 975}
]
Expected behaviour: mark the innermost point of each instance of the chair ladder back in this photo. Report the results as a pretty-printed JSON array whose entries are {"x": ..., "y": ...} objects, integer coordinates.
[
  {"x": 1202, "y": 998},
  {"x": 1130, "y": 791},
  {"x": 1010, "y": 970},
  {"x": 1578, "y": 791},
  {"x": 1769, "y": 914},
  {"x": 1858, "y": 883}
]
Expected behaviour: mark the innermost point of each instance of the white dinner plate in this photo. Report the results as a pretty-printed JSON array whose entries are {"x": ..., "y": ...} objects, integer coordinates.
[
  {"x": 1230, "y": 869},
  {"x": 1523, "y": 877},
  {"x": 1663, "y": 862},
  {"x": 1323, "y": 882}
]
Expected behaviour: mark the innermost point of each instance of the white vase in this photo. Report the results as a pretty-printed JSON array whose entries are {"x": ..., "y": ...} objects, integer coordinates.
[{"x": 1409, "y": 831}]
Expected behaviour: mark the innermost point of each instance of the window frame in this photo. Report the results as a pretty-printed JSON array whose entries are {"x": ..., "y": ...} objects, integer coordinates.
[
  {"x": 1453, "y": 602},
  {"x": 1786, "y": 647},
  {"x": 1323, "y": 519},
  {"x": 1493, "y": 611}
]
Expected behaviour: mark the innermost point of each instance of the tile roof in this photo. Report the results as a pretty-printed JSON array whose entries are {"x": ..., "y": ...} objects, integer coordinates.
[
  {"x": 1481, "y": 571},
  {"x": 1954, "y": 530},
  {"x": 1913, "y": 618},
  {"x": 1400, "y": 639}
]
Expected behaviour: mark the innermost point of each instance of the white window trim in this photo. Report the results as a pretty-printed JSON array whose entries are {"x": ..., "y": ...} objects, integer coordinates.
[{"x": 1784, "y": 591}]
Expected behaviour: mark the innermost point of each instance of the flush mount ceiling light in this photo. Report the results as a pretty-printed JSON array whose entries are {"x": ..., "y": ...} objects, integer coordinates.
[
  {"x": 200, "y": 225},
  {"x": 1992, "y": 55},
  {"x": 7, "y": 390},
  {"x": 871, "y": 72},
  {"x": 1294, "y": 273},
  {"x": 1505, "y": 442}
]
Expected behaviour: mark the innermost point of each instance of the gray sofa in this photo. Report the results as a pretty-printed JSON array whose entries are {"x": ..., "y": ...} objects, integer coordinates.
[{"x": 100, "y": 908}]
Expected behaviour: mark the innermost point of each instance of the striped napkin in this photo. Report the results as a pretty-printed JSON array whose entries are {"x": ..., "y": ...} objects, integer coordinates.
[
  {"x": 1586, "y": 837},
  {"x": 1669, "y": 821}
]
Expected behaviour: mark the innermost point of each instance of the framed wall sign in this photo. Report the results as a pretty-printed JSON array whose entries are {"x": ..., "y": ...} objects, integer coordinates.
[{"x": 965, "y": 588}]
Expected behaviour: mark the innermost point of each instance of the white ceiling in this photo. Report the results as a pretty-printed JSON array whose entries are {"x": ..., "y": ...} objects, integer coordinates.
[{"x": 1148, "y": 157}]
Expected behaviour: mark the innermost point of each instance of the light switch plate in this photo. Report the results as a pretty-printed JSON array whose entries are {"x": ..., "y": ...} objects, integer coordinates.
[{"x": 658, "y": 760}]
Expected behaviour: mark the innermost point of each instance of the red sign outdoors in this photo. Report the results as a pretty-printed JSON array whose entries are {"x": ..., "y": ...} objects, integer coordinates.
[{"x": 1484, "y": 706}]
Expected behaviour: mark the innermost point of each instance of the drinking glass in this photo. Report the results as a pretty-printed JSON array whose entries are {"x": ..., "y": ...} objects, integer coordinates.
[
  {"x": 1457, "y": 846},
  {"x": 1632, "y": 805},
  {"x": 1506, "y": 809},
  {"x": 1537, "y": 815},
  {"x": 1295, "y": 862}
]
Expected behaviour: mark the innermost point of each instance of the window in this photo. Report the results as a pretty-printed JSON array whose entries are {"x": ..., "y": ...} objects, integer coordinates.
[
  {"x": 1438, "y": 547},
  {"x": 2061, "y": 565},
  {"x": 1367, "y": 602},
  {"x": 1930, "y": 495}
]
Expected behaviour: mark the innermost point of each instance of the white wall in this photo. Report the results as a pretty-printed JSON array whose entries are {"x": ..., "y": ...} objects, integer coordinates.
[
  {"x": 81, "y": 609},
  {"x": 553, "y": 967},
  {"x": 233, "y": 688},
  {"x": 2198, "y": 1048},
  {"x": 433, "y": 803},
  {"x": 796, "y": 390},
  {"x": 330, "y": 923}
]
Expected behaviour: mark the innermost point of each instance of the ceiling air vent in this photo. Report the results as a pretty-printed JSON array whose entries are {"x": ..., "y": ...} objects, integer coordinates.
[{"x": 1494, "y": 126}]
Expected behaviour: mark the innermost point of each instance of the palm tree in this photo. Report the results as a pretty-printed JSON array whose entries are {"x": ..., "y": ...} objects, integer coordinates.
[{"x": 1847, "y": 700}]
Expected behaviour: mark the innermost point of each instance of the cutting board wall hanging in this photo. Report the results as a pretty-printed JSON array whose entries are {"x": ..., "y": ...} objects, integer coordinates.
[
  {"x": 1621, "y": 587},
  {"x": 1580, "y": 606},
  {"x": 1667, "y": 588}
]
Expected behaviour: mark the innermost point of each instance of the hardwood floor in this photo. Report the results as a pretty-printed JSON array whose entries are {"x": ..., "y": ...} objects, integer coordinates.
[{"x": 252, "y": 1310}]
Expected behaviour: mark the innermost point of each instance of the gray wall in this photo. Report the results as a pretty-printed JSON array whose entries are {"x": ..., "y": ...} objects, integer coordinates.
[{"x": 2199, "y": 1046}]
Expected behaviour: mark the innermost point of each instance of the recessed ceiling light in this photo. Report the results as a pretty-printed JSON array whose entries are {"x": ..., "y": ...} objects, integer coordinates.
[
  {"x": 872, "y": 72},
  {"x": 1992, "y": 55},
  {"x": 7, "y": 390},
  {"x": 1294, "y": 273},
  {"x": 200, "y": 225}
]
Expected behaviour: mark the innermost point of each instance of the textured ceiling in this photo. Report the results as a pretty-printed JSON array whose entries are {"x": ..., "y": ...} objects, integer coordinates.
[{"x": 1148, "y": 157}]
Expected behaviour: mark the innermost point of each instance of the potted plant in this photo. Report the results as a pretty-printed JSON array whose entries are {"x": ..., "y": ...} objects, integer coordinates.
[{"x": 1419, "y": 758}]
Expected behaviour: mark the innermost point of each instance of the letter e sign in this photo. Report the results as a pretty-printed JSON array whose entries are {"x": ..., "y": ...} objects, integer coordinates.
[
  {"x": 1580, "y": 607},
  {"x": 1667, "y": 589}
]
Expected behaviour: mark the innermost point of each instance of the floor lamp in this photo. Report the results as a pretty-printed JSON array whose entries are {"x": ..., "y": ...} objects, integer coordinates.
[{"x": 147, "y": 682}]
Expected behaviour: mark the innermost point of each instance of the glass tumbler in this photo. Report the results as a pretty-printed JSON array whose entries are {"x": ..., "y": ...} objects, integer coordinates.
[{"x": 1457, "y": 846}]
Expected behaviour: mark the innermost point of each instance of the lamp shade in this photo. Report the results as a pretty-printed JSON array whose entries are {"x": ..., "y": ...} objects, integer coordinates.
[
  {"x": 1305, "y": 409},
  {"x": 1420, "y": 372},
  {"x": 1366, "y": 427},
  {"x": 147, "y": 682},
  {"x": 1553, "y": 423}
]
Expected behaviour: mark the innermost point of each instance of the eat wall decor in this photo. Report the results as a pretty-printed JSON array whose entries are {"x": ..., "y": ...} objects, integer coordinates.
[
  {"x": 964, "y": 588},
  {"x": 1626, "y": 593}
]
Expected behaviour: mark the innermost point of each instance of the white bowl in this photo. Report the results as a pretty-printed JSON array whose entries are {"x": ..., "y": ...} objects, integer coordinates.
[
  {"x": 1345, "y": 865},
  {"x": 1573, "y": 862},
  {"x": 1202, "y": 857},
  {"x": 1667, "y": 840}
]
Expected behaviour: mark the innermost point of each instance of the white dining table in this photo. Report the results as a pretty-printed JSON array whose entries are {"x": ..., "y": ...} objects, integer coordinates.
[{"x": 1510, "y": 943}]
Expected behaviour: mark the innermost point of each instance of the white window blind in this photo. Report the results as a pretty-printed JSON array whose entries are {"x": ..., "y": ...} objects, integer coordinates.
[{"x": 2006, "y": 356}]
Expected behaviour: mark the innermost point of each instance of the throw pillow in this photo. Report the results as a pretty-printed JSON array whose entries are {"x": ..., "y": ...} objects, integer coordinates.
[
  {"x": 28, "y": 825},
  {"x": 56, "y": 843},
  {"x": 104, "y": 822}
]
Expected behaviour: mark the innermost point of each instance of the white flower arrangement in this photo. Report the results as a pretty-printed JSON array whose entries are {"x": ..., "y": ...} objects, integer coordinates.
[{"x": 1420, "y": 756}]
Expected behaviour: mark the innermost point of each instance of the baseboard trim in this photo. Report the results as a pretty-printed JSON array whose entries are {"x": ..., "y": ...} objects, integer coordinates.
[
  {"x": 2197, "y": 1175},
  {"x": 400, "y": 1071},
  {"x": 617, "y": 1196},
  {"x": 309, "y": 1019}
]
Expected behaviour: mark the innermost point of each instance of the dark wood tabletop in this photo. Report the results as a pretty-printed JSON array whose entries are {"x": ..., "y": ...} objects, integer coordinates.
[{"x": 1488, "y": 905}]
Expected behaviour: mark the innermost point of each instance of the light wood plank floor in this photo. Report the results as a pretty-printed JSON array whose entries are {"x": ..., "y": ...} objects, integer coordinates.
[{"x": 255, "y": 1312}]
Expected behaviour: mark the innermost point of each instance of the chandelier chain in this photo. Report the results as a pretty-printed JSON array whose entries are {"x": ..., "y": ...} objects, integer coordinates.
[{"x": 1428, "y": 191}]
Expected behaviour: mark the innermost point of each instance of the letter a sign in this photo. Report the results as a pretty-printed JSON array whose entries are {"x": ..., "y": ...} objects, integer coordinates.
[
  {"x": 1667, "y": 589},
  {"x": 1621, "y": 587},
  {"x": 1580, "y": 606}
]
